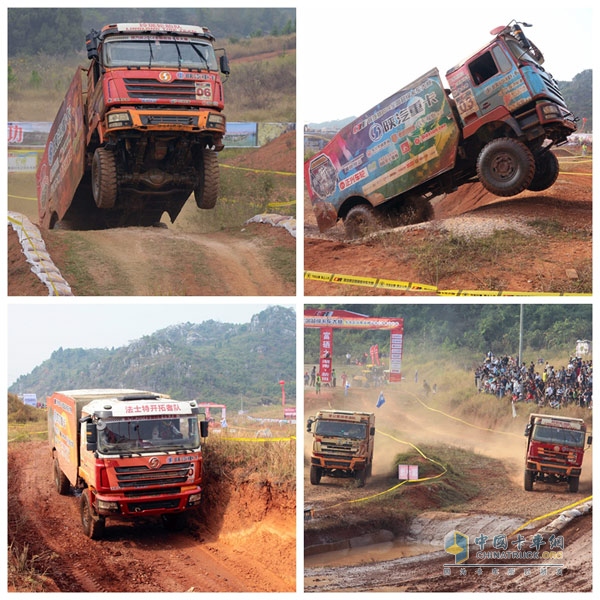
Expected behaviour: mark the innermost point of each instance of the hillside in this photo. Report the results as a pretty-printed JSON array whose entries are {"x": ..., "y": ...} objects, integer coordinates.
[{"x": 209, "y": 361}]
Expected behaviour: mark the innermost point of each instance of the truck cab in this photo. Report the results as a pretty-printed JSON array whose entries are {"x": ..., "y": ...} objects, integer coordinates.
[
  {"x": 343, "y": 443},
  {"x": 555, "y": 450}
]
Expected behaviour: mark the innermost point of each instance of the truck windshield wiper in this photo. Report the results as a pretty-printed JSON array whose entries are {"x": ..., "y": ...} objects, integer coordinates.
[
  {"x": 151, "y": 54},
  {"x": 203, "y": 58}
]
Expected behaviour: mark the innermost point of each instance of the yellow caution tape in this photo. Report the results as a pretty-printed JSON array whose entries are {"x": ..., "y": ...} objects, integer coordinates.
[
  {"x": 22, "y": 197},
  {"x": 257, "y": 170},
  {"x": 390, "y": 284},
  {"x": 285, "y": 439}
]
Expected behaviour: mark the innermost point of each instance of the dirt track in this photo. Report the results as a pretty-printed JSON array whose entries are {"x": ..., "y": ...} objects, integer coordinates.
[
  {"x": 552, "y": 252},
  {"x": 501, "y": 503},
  {"x": 246, "y": 545}
]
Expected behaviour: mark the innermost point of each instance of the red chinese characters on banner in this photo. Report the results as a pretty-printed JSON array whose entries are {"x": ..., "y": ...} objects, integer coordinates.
[{"x": 326, "y": 354}]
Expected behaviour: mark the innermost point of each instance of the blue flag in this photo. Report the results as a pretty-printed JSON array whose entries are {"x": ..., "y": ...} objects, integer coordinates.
[{"x": 380, "y": 401}]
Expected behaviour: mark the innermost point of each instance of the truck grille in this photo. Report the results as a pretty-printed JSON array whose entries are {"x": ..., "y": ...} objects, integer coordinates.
[
  {"x": 137, "y": 507},
  {"x": 155, "y": 90},
  {"x": 333, "y": 450},
  {"x": 141, "y": 476},
  {"x": 555, "y": 455},
  {"x": 169, "y": 120}
]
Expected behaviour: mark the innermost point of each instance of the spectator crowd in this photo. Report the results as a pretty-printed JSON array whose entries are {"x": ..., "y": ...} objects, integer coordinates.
[{"x": 570, "y": 385}]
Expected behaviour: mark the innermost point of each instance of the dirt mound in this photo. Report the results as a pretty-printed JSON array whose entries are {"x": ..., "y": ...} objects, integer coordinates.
[
  {"x": 277, "y": 155},
  {"x": 550, "y": 249}
]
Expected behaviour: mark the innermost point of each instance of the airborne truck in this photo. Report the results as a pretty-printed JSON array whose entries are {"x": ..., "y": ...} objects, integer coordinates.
[
  {"x": 130, "y": 453},
  {"x": 555, "y": 447},
  {"x": 143, "y": 133},
  {"x": 343, "y": 443},
  {"x": 497, "y": 123}
]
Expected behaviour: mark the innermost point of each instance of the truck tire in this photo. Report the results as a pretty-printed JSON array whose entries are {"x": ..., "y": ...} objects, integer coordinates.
[
  {"x": 206, "y": 191},
  {"x": 528, "y": 480},
  {"x": 174, "y": 521},
  {"x": 573, "y": 484},
  {"x": 93, "y": 526},
  {"x": 104, "y": 178},
  {"x": 315, "y": 475},
  {"x": 546, "y": 172},
  {"x": 505, "y": 167},
  {"x": 60, "y": 479},
  {"x": 360, "y": 221},
  {"x": 361, "y": 478}
]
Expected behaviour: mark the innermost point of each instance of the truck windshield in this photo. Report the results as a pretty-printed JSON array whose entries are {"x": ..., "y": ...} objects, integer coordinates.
[
  {"x": 152, "y": 52},
  {"x": 556, "y": 435},
  {"x": 158, "y": 434},
  {"x": 520, "y": 54},
  {"x": 355, "y": 431}
]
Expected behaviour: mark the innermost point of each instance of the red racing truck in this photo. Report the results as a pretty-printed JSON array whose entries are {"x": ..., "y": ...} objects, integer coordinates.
[
  {"x": 555, "y": 448},
  {"x": 130, "y": 453},
  {"x": 141, "y": 135},
  {"x": 497, "y": 123}
]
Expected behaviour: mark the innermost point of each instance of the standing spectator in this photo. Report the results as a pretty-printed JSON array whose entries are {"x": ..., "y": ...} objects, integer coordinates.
[
  {"x": 333, "y": 378},
  {"x": 318, "y": 383},
  {"x": 313, "y": 375}
]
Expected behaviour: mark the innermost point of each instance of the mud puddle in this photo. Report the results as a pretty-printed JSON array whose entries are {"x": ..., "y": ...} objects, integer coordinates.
[{"x": 373, "y": 553}]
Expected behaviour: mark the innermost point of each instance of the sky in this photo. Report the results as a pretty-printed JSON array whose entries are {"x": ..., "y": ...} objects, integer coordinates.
[
  {"x": 37, "y": 330},
  {"x": 353, "y": 55}
]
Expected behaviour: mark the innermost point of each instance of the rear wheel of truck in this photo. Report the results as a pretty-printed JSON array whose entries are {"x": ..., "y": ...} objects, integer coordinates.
[
  {"x": 360, "y": 221},
  {"x": 546, "y": 172},
  {"x": 315, "y": 475},
  {"x": 93, "y": 526},
  {"x": 104, "y": 178},
  {"x": 60, "y": 480},
  {"x": 528, "y": 480},
  {"x": 206, "y": 191},
  {"x": 505, "y": 167},
  {"x": 573, "y": 484}
]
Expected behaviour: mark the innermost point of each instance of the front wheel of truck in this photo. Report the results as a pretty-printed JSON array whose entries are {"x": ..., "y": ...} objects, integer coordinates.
[
  {"x": 93, "y": 525},
  {"x": 60, "y": 480},
  {"x": 206, "y": 191},
  {"x": 360, "y": 221},
  {"x": 315, "y": 475},
  {"x": 505, "y": 167},
  {"x": 573, "y": 484},
  {"x": 528, "y": 484},
  {"x": 104, "y": 178}
]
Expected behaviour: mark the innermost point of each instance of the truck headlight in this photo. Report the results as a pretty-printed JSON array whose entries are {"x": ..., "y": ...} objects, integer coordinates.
[
  {"x": 194, "y": 499},
  {"x": 550, "y": 111},
  {"x": 119, "y": 119},
  {"x": 109, "y": 506},
  {"x": 215, "y": 121}
]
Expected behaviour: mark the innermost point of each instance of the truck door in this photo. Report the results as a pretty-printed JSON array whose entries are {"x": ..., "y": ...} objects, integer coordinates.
[{"x": 487, "y": 82}]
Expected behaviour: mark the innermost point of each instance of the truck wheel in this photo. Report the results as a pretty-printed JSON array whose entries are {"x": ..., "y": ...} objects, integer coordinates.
[
  {"x": 60, "y": 480},
  {"x": 93, "y": 526},
  {"x": 573, "y": 484},
  {"x": 104, "y": 178},
  {"x": 546, "y": 172},
  {"x": 361, "y": 478},
  {"x": 174, "y": 522},
  {"x": 315, "y": 475},
  {"x": 528, "y": 480},
  {"x": 360, "y": 221},
  {"x": 505, "y": 167},
  {"x": 206, "y": 191}
]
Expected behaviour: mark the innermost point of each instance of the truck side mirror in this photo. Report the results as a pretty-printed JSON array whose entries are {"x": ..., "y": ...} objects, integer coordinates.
[
  {"x": 309, "y": 425},
  {"x": 91, "y": 437},
  {"x": 589, "y": 440},
  {"x": 204, "y": 429},
  {"x": 91, "y": 45},
  {"x": 224, "y": 64},
  {"x": 527, "y": 429},
  {"x": 372, "y": 432}
]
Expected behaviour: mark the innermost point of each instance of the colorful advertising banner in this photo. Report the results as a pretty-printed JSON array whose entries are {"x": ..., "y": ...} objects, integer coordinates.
[
  {"x": 400, "y": 143},
  {"x": 326, "y": 352}
]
